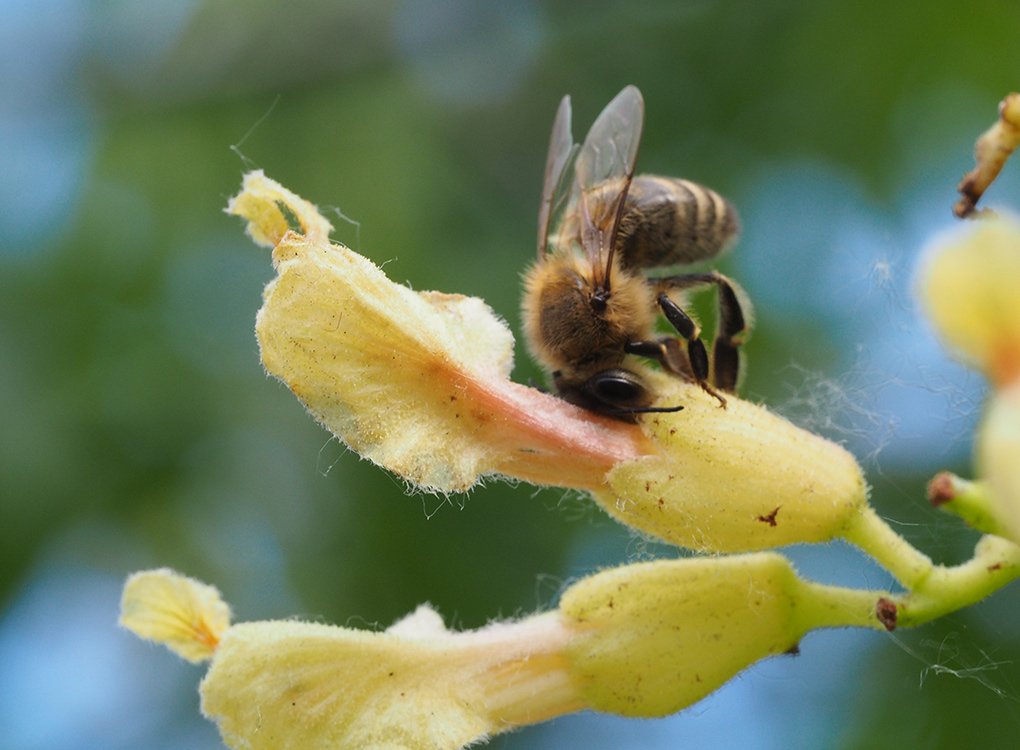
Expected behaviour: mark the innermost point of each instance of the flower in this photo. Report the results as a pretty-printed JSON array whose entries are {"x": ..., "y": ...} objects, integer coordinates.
[
  {"x": 419, "y": 383},
  {"x": 638, "y": 640},
  {"x": 970, "y": 288},
  {"x": 415, "y": 381}
]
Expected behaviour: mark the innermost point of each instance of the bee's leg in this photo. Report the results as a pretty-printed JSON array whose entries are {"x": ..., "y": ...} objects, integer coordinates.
[
  {"x": 667, "y": 351},
  {"x": 696, "y": 355},
  {"x": 732, "y": 327}
]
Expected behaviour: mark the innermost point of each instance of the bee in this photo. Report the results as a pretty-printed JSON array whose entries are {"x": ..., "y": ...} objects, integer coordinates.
[{"x": 589, "y": 310}]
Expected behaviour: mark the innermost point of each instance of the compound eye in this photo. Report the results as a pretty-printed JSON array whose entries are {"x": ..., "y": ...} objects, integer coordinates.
[{"x": 619, "y": 388}]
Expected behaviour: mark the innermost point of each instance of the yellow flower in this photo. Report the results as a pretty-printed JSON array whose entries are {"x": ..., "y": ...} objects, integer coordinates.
[
  {"x": 998, "y": 457},
  {"x": 414, "y": 381},
  {"x": 418, "y": 382},
  {"x": 640, "y": 640},
  {"x": 970, "y": 287}
]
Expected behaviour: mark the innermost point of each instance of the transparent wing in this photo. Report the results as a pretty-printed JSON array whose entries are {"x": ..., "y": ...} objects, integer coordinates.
[
  {"x": 554, "y": 194},
  {"x": 604, "y": 169}
]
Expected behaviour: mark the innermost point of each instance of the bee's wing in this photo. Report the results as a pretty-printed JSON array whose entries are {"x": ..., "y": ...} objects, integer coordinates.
[
  {"x": 556, "y": 188},
  {"x": 604, "y": 169}
]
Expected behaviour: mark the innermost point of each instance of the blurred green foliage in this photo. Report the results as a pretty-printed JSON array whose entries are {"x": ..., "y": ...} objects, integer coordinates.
[{"x": 139, "y": 429}]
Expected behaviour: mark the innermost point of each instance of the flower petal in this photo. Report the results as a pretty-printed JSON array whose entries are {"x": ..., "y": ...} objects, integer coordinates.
[
  {"x": 305, "y": 686},
  {"x": 998, "y": 456},
  {"x": 970, "y": 287},
  {"x": 185, "y": 615}
]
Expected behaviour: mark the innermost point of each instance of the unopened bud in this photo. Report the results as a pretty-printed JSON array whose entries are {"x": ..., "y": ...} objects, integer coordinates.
[
  {"x": 735, "y": 479},
  {"x": 656, "y": 637}
]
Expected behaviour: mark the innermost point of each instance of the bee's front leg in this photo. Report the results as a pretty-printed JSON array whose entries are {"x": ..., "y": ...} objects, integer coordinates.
[
  {"x": 667, "y": 352},
  {"x": 733, "y": 322}
]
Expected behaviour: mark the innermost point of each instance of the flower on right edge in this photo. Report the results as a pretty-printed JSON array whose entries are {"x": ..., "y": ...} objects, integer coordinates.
[{"x": 970, "y": 288}]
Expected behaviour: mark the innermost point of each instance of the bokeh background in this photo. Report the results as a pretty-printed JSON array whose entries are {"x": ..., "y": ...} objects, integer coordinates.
[{"x": 137, "y": 428}]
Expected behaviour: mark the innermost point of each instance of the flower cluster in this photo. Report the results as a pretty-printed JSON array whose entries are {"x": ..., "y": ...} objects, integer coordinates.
[{"x": 433, "y": 403}]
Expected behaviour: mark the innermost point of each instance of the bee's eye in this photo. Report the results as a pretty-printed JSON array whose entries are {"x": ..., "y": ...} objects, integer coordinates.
[{"x": 619, "y": 388}]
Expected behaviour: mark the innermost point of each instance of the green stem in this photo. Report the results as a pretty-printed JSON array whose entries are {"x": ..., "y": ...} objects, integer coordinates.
[
  {"x": 942, "y": 590},
  {"x": 908, "y": 565},
  {"x": 996, "y": 562},
  {"x": 823, "y": 606},
  {"x": 968, "y": 500}
]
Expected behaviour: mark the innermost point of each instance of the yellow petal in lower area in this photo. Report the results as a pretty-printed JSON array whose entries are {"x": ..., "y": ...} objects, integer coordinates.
[
  {"x": 304, "y": 686},
  {"x": 734, "y": 479},
  {"x": 185, "y": 615},
  {"x": 970, "y": 287},
  {"x": 639, "y": 640},
  {"x": 998, "y": 457}
]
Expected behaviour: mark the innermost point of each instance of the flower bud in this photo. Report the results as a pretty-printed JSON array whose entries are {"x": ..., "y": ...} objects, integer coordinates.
[
  {"x": 991, "y": 150},
  {"x": 733, "y": 479},
  {"x": 656, "y": 637}
]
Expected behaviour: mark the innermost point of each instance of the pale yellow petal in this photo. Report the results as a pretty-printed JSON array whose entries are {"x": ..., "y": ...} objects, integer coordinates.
[
  {"x": 383, "y": 367},
  {"x": 386, "y": 369},
  {"x": 970, "y": 288},
  {"x": 998, "y": 456},
  {"x": 302, "y": 686},
  {"x": 185, "y": 615},
  {"x": 262, "y": 202}
]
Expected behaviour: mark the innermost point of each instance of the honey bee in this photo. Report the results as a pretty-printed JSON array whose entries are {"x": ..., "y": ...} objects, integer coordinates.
[{"x": 589, "y": 309}]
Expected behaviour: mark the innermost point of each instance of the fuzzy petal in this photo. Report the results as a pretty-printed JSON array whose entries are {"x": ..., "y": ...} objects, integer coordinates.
[
  {"x": 970, "y": 287},
  {"x": 998, "y": 456},
  {"x": 185, "y": 615}
]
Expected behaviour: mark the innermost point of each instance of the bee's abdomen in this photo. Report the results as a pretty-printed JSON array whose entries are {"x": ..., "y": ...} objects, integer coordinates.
[{"x": 668, "y": 221}]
